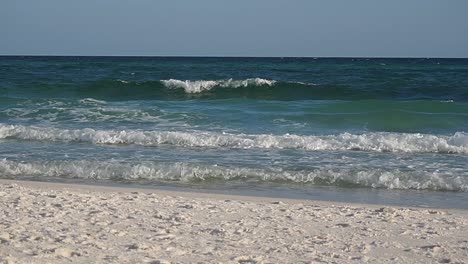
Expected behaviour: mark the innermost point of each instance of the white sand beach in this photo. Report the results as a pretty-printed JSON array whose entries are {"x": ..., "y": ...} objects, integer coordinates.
[{"x": 64, "y": 223}]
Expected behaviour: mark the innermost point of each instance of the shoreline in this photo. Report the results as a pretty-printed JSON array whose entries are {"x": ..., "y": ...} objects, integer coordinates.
[
  {"x": 62, "y": 223},
  {"x": 191, "y": 193},
  {"x": 417, "y": 199}
]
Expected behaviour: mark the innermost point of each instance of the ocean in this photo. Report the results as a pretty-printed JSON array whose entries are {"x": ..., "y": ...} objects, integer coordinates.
[{"x": 375, "y": 130}]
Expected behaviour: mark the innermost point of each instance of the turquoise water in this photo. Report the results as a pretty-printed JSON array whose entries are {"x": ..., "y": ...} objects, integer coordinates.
[{"x": 293, "y": 125}]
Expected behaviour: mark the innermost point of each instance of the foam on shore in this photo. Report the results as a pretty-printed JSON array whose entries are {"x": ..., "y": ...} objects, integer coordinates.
[{"x": 187, "y": 172}]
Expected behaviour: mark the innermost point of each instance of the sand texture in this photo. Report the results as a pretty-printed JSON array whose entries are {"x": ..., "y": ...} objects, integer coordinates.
[{"x": 58, "y": 223}]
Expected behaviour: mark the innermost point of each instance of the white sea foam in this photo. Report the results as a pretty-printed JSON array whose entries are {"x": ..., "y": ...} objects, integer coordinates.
[
  {"x": 201, "y": 86},
  {"x": 91, "y": 101},
  {"x": 382, "y": 142},
  {"x": 307, "y": 83},
  {"x": 114, "y": 170}
]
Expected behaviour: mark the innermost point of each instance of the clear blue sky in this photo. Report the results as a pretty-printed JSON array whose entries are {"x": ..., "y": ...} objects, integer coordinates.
[{"x": 391, "y": 28}]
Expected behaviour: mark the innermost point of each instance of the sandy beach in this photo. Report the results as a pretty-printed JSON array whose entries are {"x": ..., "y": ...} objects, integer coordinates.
[{"x": 62, "y": 223}]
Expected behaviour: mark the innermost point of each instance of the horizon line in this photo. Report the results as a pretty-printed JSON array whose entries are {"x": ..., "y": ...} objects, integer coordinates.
[{"x": 230, "y": 56}]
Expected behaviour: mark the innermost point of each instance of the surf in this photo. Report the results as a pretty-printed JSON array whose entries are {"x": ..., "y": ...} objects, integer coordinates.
[
  {"x": 190, "y": 172},
  {"x": 374, "y": 141}
]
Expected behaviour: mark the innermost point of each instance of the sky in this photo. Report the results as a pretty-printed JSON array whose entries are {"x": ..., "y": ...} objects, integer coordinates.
[{"x": 279, "y": 28}]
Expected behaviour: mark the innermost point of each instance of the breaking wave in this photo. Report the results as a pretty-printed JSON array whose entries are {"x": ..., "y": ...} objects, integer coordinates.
[
  {"x": 174, "y": 89},
  {"x": 376, "y": 141},
  {"x": 256, "y": 88},
  {"x": 200, "y": 86},
  {"x": 186, "y": 172}
]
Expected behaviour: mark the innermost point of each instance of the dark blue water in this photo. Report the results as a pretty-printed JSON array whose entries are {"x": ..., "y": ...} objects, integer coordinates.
[{"x": 292, "y": 125}]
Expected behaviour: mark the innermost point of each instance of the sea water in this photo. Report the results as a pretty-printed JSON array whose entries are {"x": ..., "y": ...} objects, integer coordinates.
[{"x": 347, "y": 129}]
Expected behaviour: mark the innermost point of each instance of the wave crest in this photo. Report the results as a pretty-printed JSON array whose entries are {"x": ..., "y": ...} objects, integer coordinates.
[
  {"x": 186, "y": 172},
  {"x": 200, "y": 86},
  {"x": 381, "y": 142}
]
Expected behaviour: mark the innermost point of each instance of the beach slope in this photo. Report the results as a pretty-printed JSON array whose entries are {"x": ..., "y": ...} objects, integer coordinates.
[{"x": 62, "y": 223}]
